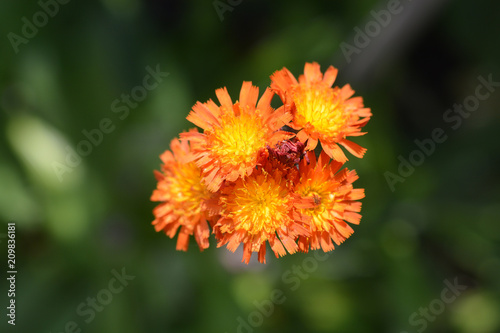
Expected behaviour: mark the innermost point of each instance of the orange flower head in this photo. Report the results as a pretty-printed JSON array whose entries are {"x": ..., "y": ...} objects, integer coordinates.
[
  {"x": 321, "y": 112},
  {"x": 185, "y": 200},
  {"x": 258, "y": 209},
  {"x": 235, "y": 135},
  {"x": 334, "y": 198},
  {"x": 252, "y": 182}
]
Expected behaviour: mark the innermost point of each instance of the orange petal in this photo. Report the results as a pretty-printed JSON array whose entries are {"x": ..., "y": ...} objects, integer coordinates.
[
  {"x": 330, "y": 76},
  {"x": 334, "y": 151},
  {"x": 311, "y": 143},
  {"x": 347, "y": 92},
  {"x": 302, "y": 136},
  {"x": 248, "y": 94},
  {"x": 201, "y": 234},
  {"x": 262, "y": 253},
  {"x": 265, "y": 99},
  {"x": 224, "y": 97},
  {"x": 182, "y": 240},
  {"x": 277, "y": 247},
  {"x": 353, "y": 148},
  {"x": 312, "y": 73},
  {"x": 202, "y": 117}
]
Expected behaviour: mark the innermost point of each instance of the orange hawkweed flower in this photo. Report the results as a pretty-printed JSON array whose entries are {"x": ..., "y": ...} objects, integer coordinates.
[
  {"x": 235, "y": 135},
  {"x": 257, "y": 209},
  {"x": 334, "y": 198},
  {"x": 254, "y": 183},
  {"x": 185, "y": 200},
  {"x": 321, "y": 112}
]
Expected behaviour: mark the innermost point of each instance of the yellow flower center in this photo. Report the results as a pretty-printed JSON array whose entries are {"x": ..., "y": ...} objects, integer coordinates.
[
  {"x": 187, "y": 190},
  {"x": 239, "y": 138},
  {"x": 320, "y": 107},
  {"x": 259, "y": 204},
  {"x": 323, "y": 199}
]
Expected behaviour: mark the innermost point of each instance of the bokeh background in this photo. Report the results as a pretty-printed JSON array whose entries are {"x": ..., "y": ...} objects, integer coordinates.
[{"x": 441, "y": 223}]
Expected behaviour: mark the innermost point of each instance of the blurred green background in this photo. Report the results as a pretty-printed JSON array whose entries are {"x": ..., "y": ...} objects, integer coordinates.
[{"x": 76, "y": 231}]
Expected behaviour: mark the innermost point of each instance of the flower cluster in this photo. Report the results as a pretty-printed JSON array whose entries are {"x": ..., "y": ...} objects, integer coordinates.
[{"x": 251, "y": 175}]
